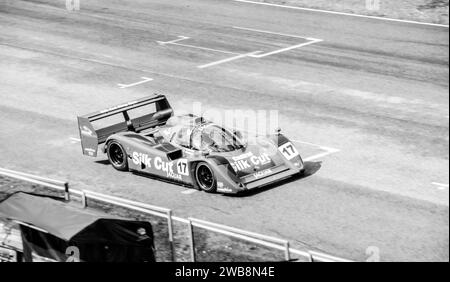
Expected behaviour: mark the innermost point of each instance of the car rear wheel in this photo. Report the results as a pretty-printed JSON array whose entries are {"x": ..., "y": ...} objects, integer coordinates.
[
  {"x": 205, "y": 177},
  {"x": 117, "y": 156}
]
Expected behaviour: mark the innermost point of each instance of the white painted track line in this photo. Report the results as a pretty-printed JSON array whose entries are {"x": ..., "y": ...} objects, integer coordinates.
[
  {"x": 340, "y": 13},
  {"x": 74, "y": 140},
  {"x": 272, "y": 32},
  {"x": 145, "y": 79},
  {"x": 180, "y": 38},
  {"x": 310, "y": 41},
  {"x": 440, "y": 186},
  {"x": 204, "y": 48},
  {"x": 286, "y": 49},
  {"x": 329, "y": 151},
  {"x": 188, "y": 191},
  {"x": 228, "y": 60}
]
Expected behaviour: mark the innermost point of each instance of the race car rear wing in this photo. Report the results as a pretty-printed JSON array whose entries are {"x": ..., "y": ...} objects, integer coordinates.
[{"x": 91, "y": 136}]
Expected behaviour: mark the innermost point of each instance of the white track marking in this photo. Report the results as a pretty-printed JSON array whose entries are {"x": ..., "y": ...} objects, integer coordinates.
[
  {"x": 145, "y": 79},
  {"x": 204, "y": 48},
  {"x": 175, "y": 42},
  {"x": 180, "y": 38},
  {"x": 188, "y": 191},
  {"x": 440, "y": 186},
  {"x": 228, "y": 60},
  {"x": 286, "y": 49},
  {"x": 309, "y": 42},
  {"x": 272, "y": 32},
  {"x": 340, "y": 13},
  {"x": 74, "y": 140},
  {"x": 255, "y": 54},
  {"x": 328, "y": 150}
]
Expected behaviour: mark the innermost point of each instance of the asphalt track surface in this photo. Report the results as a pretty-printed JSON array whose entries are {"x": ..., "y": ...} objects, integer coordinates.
[{"x": 373, "y": 93}]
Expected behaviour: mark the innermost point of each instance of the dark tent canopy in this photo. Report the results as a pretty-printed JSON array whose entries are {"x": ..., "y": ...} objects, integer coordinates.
[{"x": 54, "y": 229}]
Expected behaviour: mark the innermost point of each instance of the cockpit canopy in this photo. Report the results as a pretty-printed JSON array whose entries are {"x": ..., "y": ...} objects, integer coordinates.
[
  {"x": 214, "y": 138},
  {"x": 202, "y": 136}
]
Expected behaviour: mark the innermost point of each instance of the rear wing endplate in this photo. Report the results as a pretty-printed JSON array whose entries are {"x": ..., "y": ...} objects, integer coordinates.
[{"x": 91, "y": 137}]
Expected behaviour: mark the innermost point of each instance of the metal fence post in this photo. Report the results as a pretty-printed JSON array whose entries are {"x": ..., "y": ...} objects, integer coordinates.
[
  {"x": 310, "y": 257},
  {"x": 287, "y": 252},
  {"x": 191, "y": 238},
  {"x": 170, "y": 230},
  {"x": 66, "y": 191},
  {"x": 83, "y": 199}
]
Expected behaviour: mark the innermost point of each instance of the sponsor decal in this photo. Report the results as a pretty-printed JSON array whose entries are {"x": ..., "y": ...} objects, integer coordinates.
[
  {"x": 262, "y": 173},
  {"x": 224, "y": 189},
  {"x": 248, "y": 160},
  {"x": 140, "y": 158},
  {"x": 182, "y": 167},
  {"x": 288, "y": 150},
  {"x": 158, "y": 164},
  {"x": 260, "y": 160},
  {"x": 86, "y": 131},
  {"x": 167, "y": 167}
]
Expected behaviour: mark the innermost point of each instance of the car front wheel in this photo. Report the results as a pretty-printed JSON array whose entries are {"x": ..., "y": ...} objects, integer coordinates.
[{"x": 205, "y": 177}]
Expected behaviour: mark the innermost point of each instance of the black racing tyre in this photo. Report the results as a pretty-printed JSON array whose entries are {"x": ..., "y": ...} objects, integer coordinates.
[
  {"x": 204, "y": 176},
  {"x": 117, "y": 155}
]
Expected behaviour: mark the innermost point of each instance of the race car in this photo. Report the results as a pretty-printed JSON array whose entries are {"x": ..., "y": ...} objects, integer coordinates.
[{"x": 144, "y": 136}]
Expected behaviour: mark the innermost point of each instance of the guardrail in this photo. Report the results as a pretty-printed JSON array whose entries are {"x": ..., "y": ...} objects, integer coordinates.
[
  {"x": 237, "y": 233},
  {"x": 85, "y": 195}
]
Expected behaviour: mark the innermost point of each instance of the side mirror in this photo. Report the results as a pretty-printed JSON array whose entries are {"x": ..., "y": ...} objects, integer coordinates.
[
  {"x": 238, "y": 134},
  {"x": 241, "y": 137},
  {"x": 278, "y": 130}
]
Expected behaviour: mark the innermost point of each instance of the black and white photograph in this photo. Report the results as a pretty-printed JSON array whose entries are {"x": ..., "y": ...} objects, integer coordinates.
[{"x": 224, "y": 138}]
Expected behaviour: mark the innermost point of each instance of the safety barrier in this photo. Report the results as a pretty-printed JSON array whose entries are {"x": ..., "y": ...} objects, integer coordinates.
[
  {"x": 86, "y": 195},
  {"x": 252, "y": 237}
]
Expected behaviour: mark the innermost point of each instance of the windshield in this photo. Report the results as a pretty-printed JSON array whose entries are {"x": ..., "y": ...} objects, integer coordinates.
[{"x": 215, "y": 138}]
